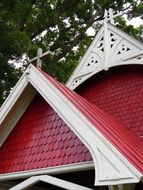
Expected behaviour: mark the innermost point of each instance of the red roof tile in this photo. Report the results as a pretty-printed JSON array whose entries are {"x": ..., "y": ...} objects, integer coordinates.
[{"x": 119, "y": 92}]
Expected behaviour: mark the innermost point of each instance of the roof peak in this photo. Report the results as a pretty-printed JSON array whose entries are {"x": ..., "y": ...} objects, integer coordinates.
[
  {"x": 110, "y": 47},
  {"x": 109, "y": 16}
]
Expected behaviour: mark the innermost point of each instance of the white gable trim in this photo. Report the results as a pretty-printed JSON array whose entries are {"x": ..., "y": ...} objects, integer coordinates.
[
  {"x": 110, "y": 47},
  {"x": 111, "y": 166},
  {"x": 13, "y": 97},
  {"x": 50, "y": 180},
  {"x": 15, "y": 105}
]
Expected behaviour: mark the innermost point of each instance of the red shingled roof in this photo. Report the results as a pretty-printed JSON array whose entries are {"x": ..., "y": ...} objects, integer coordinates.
[
  {"x": 33, "y": 146},
  {"x": 124, "y": 140},
  {"x": 119, "y": 92}
]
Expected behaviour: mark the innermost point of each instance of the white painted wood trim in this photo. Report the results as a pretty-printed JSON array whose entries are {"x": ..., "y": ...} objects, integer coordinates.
[
  {"x": 27, "y": 183},
  {"x": 9, "y": 184},
  {"x": 50, "y": 180},
  {"x": 16, "y": 112},
  {"x": 80, "y": 65},
  {"x": 106, "y": 42},
  {"x": 13, "y": 97},
  {"x": 62, "y": 183},
  {"x": 115, "y": 53}
]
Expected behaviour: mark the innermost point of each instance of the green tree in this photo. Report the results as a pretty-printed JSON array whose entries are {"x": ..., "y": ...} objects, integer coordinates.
[{"x": 22, "y": 23}]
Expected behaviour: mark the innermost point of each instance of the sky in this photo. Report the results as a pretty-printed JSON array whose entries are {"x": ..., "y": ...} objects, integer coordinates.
[{"x": 135, "y": 22}]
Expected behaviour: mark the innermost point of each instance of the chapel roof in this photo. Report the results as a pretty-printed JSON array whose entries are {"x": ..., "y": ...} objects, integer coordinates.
[{"x": 91, "y": 125}]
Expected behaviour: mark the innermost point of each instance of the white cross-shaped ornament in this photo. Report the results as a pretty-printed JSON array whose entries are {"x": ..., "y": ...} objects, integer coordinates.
[{"x": 108, "y": 17}]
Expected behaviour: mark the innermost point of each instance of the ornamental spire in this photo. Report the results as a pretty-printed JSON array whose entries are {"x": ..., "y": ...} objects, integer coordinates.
[{"x": 109, "y": 16}]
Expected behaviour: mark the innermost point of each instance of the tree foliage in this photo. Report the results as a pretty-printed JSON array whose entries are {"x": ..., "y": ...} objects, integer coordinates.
[{"x": 64, "y": 23}]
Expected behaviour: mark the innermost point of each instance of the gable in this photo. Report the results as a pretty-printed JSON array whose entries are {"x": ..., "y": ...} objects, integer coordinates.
[
  {"x": 12, "y": 110},
  {"x": 41, "y": 139},
  {"x": 119, "y": 92},
  {"x": 110, "y": 47}
]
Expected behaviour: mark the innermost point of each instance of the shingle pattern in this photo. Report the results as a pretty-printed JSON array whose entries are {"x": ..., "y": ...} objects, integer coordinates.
[
  {"x": 119, "y": 92},
  {"x": 41, "y": 139},
  {"x": 125, "y": 141}
]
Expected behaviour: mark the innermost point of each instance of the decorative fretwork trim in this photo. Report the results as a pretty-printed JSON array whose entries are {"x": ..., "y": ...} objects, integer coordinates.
[{"x": 110, "y": 47}]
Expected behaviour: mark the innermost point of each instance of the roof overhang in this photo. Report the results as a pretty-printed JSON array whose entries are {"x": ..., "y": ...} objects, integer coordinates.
[{"x": 110, "y": 165}]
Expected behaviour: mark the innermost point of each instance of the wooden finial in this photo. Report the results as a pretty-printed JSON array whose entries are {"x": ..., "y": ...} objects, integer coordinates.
[
  {"x": 39, "y": 60},
  {"x": 109, "y": 16}
]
